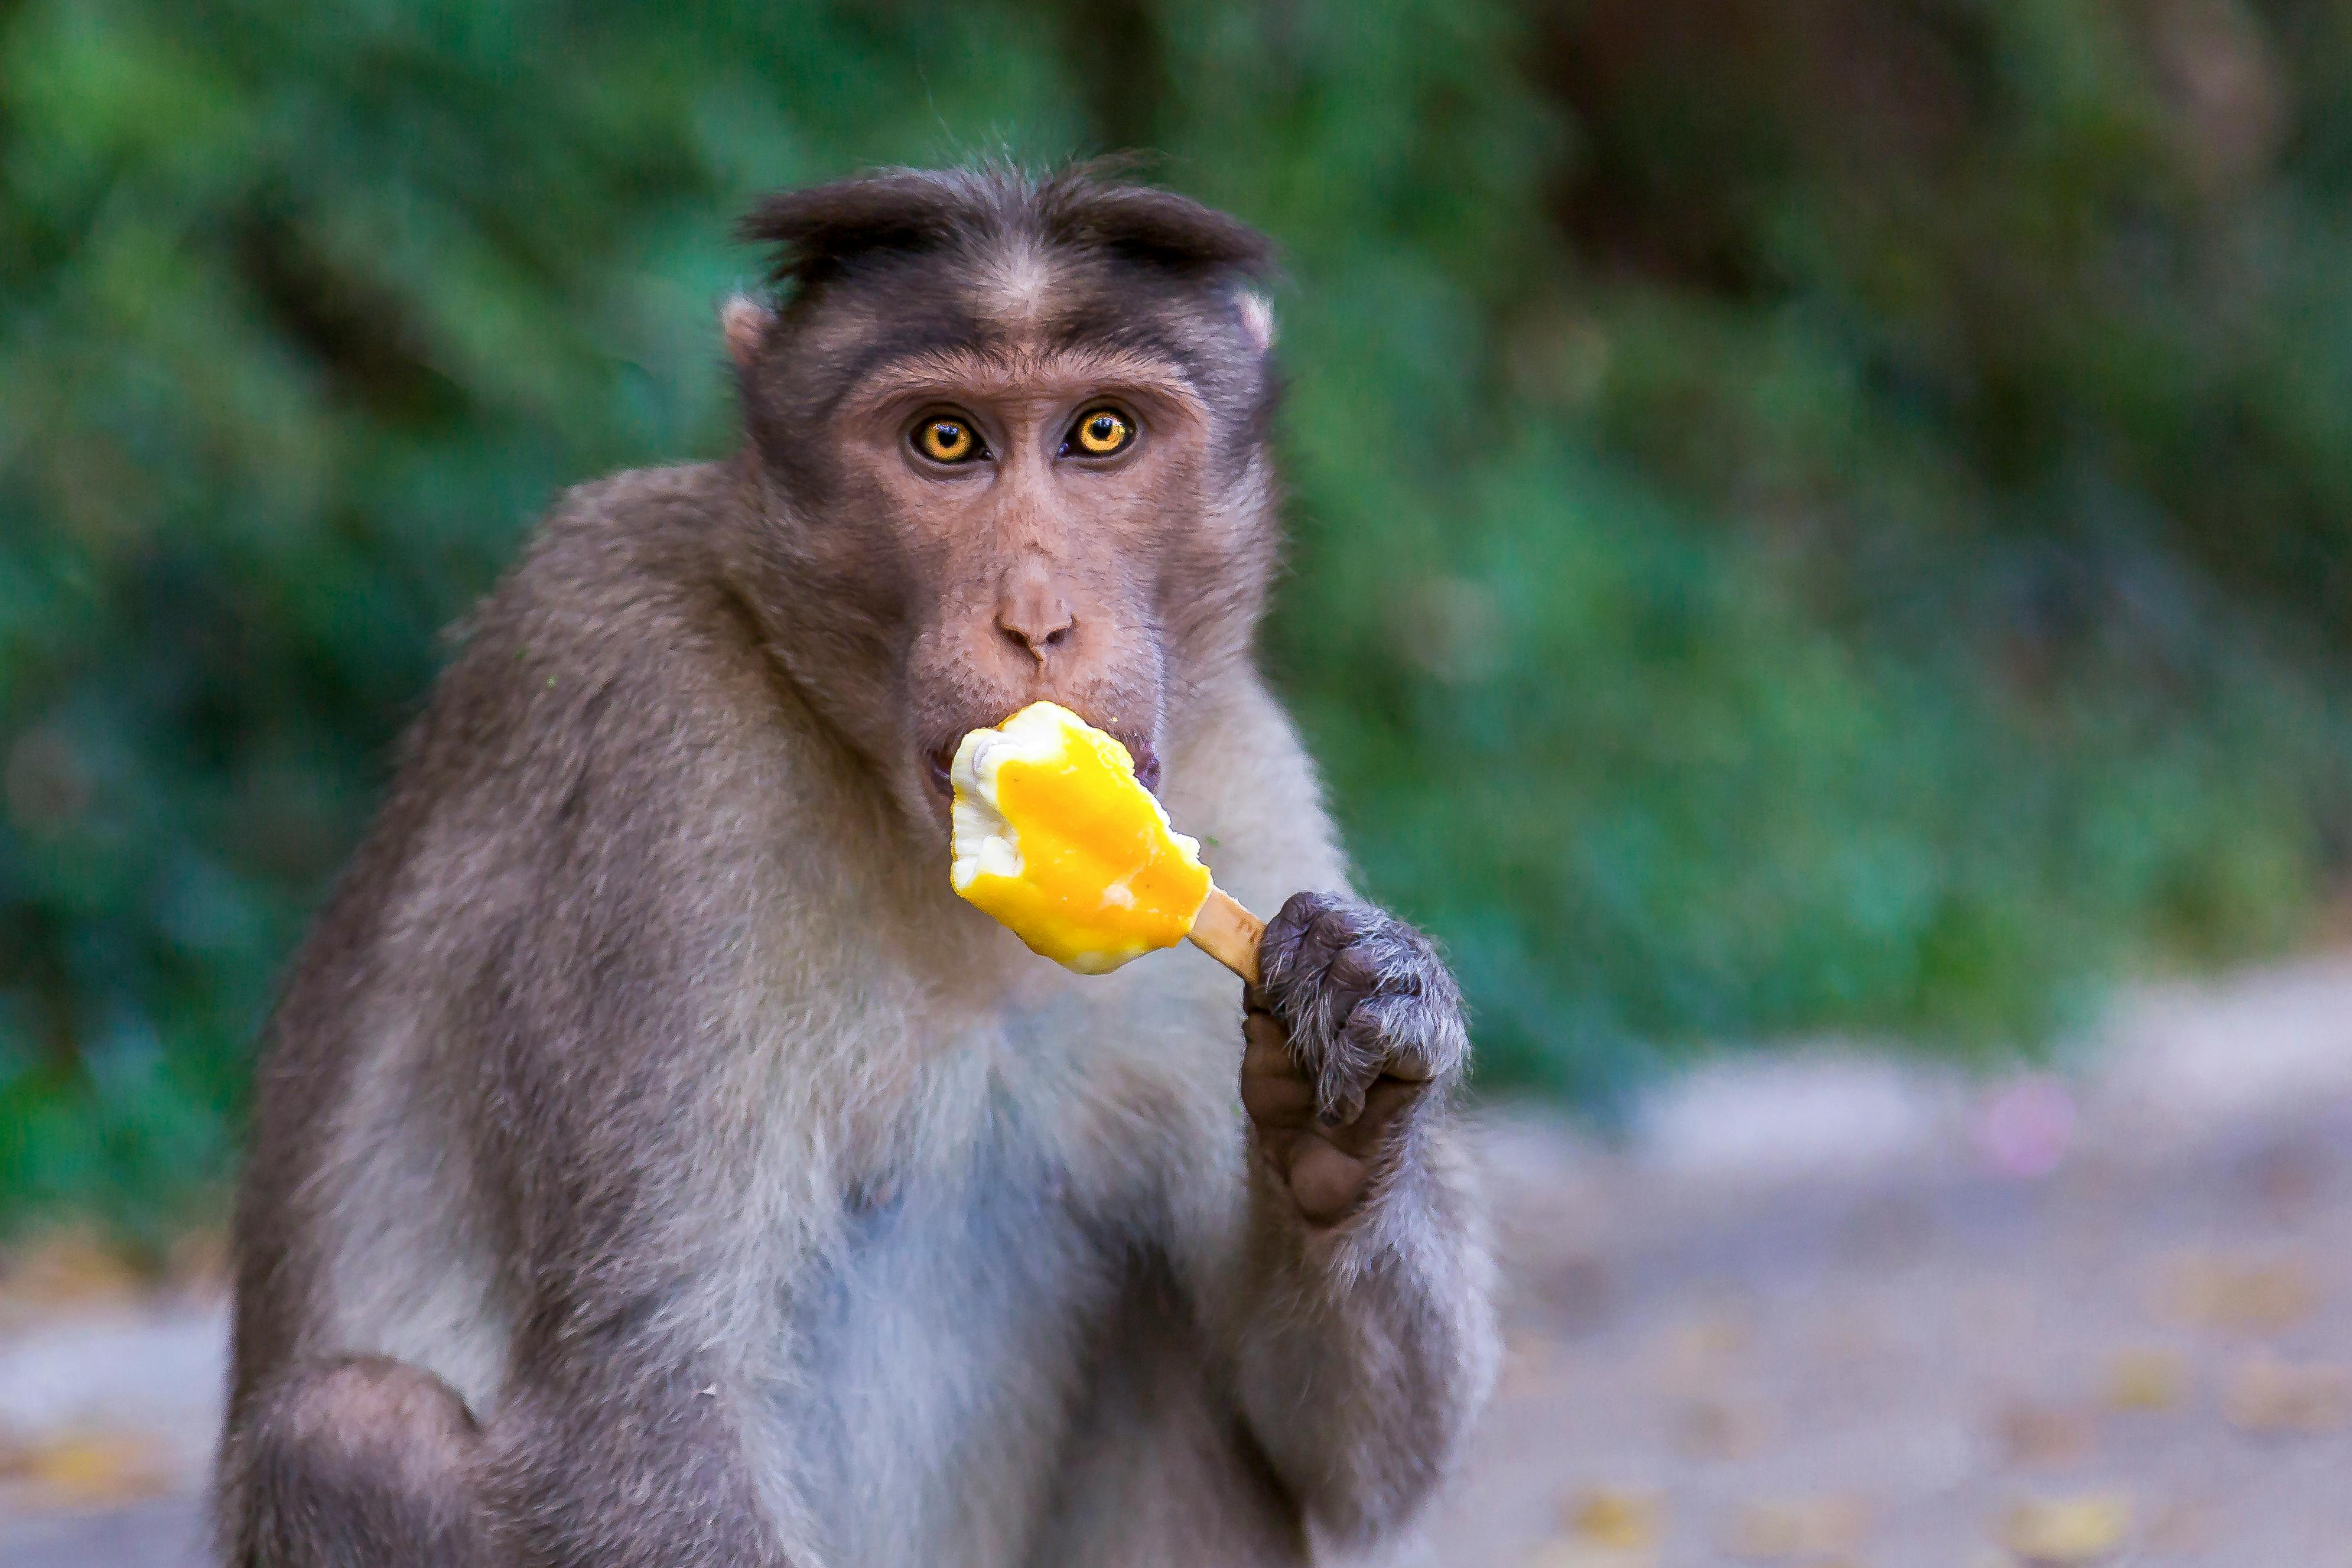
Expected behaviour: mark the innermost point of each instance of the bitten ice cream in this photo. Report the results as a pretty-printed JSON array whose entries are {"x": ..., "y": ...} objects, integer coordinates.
[{"x": 1054, "y": 836}]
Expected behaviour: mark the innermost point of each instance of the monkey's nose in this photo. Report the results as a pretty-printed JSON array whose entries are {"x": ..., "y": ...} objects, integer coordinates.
[{"x": 1034, "y": 615}]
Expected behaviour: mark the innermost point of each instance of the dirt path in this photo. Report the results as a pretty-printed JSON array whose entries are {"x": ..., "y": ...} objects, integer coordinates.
[{"x": 1815, "y": 1311}]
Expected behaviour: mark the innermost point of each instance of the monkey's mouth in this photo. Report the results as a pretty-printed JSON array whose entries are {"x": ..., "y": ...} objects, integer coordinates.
[{"x": 940, "y": 758}]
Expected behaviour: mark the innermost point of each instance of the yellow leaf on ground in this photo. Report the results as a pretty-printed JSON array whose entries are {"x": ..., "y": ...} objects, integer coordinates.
[
  {"x": 2066, "y": 1530},
  {"x": 2147, "y": 1377},
  {"x": 89, "y": 1467},
  {"x": 1617, "y": 1518}
]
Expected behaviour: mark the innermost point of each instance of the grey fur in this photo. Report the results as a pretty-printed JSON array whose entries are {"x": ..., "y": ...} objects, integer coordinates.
[{"x": 653, "y": 1163}]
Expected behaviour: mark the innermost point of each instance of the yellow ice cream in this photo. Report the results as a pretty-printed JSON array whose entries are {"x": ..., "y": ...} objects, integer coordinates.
[{"x": 1055, "y": 838}]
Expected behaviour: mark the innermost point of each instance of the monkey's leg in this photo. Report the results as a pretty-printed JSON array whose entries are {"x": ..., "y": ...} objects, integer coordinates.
[{"x": 358, "y": 1462}]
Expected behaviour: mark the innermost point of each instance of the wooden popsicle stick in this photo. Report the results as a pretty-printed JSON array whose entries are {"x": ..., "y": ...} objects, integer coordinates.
[{"x": 1228, "y": 933}]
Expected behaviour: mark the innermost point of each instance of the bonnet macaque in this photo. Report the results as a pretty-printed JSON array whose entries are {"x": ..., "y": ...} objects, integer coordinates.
[{"x": 655, "y": 1165}]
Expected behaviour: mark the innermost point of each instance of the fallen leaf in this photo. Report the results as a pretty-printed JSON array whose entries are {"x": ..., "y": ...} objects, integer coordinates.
[
  {"x": 1616, "y": 1519},
  {"x": 2268, "y": 1395},
  {"x": 2066, "y": 1530},
  {"x": 2045, "y": 1435},
  {"x": 2147, "y": 1378},
  {"x": 2251, "y": 1297},
  {"x": 1799, "y": 1527},
  {"x": 89, "y": 1467}
]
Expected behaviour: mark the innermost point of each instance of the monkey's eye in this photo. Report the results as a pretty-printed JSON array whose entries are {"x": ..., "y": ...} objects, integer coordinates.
[
  {"x": 1100, "y": 432},
  {"x": 945, "y": 439}
]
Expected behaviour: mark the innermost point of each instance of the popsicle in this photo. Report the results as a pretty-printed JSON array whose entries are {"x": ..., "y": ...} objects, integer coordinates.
[{"x": 1056, "y": 838}]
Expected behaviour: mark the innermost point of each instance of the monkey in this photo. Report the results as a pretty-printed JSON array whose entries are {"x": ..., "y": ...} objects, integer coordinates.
[{"x": 652, "y": 1163}]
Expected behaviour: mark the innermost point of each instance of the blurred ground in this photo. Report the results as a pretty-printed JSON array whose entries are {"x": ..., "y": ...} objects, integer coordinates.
[
  {"x": 1818, "y": 1310},
  {"x": 1832, "y": 1312}
]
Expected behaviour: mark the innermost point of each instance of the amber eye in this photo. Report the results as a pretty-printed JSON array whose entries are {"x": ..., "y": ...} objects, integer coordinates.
[
  {"x": 946, "y": 440},
  {"x": 1102, "y": 431}
]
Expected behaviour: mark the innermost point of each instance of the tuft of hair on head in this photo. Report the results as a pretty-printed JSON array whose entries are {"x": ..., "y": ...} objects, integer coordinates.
[
  {"x": 820, "y": 231},
  {"x": 1088, "y": 205}
]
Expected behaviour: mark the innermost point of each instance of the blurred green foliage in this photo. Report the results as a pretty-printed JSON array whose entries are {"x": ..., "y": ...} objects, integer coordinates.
[{"x": 1809, "y": 515}]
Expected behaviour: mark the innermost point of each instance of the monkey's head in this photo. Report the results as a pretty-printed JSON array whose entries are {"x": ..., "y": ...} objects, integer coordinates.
[{"x": 1008, "y": 437}]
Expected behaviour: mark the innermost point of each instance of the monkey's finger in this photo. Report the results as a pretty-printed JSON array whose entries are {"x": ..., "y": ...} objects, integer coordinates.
[
  {"x": 1273, "y": 1058},
  {"x": 1385, "y": 1106},
  {"x": 1277, "y": 1047},
  {"x": 1408, "y": 1036},
  {"x": 1279, "y": 1102},
  {"x": 1273, "y": 1092},
  {"x": 1340, "y": 1093}
]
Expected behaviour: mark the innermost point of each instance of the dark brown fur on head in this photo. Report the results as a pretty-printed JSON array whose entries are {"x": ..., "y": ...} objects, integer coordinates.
[{"x": 916, "y": 600}]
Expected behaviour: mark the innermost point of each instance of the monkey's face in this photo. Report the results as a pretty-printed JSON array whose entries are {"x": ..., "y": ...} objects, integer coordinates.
[{"x": 1000, "y": 485}]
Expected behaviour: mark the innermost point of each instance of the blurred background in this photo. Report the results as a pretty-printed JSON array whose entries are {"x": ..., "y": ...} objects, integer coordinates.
[
  {"x": 1810, "y": 515},
  {"x": 1812, "y": 520}
]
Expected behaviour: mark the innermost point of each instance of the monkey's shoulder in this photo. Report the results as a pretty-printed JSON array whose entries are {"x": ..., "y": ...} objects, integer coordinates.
[
  {"x": 613, "y": 639},
  {"x": 610, "y": 740},
  {"x": 621, "y": 571}
]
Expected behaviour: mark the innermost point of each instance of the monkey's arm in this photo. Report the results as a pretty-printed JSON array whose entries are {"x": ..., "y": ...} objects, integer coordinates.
[
  {"x": 1365, "y": 1339},
  {"x": 624, "y": 1119},
  {"x": 1367, "y": 1349}
]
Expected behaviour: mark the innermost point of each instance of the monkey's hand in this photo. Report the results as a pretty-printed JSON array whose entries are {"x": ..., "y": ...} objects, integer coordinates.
[{"x": 1355, "y": 1034}]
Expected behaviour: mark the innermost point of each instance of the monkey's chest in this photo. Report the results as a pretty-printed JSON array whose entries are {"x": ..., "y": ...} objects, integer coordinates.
[{"x": 936, "y": 1362}]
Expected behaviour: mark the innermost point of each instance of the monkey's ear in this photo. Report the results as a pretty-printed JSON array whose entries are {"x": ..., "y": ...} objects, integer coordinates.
[
  {"x": 1257, "y": 318},
  {"x": 745, "y": 322}
]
